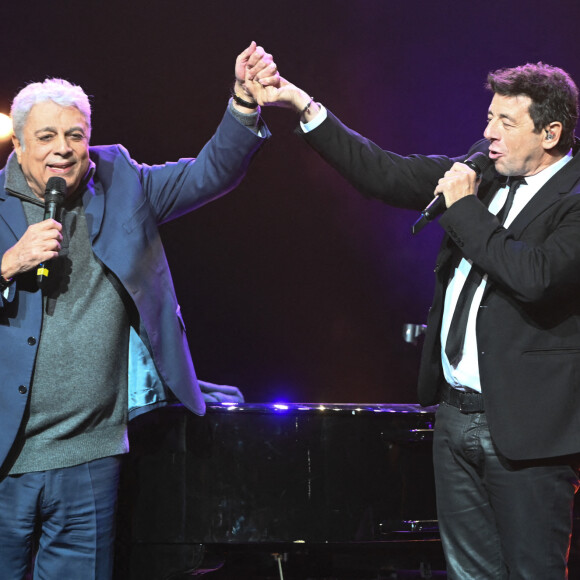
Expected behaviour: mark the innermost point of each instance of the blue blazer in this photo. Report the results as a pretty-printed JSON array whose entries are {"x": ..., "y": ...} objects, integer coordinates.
[{"x": 125, "y": 202}]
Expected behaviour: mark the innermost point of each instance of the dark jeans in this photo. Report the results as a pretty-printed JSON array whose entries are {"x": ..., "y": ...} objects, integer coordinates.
[
  {"x": 69, "y": 513},
  {"x": 498, "y": 518}
]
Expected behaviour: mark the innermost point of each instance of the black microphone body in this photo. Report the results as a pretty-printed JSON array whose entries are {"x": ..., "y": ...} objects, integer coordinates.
[
  {"x": 54, "y": 195},
  {"x": 479, "y": 162}
]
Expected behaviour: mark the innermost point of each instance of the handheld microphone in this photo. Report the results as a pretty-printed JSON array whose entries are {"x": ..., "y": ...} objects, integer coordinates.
[
  {"x": 54, "y": 195},
  {"x": 479, "y": 162}
]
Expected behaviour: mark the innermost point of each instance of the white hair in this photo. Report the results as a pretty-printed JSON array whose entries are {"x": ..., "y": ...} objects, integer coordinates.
[{"x": 59, "y": 91}]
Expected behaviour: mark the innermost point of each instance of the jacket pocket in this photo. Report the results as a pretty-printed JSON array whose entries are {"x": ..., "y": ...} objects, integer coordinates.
[{"x": 553, "y": 351}]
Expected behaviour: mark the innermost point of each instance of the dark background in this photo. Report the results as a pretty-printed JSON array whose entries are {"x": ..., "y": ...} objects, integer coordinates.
[{"x": 293, "y": 287}]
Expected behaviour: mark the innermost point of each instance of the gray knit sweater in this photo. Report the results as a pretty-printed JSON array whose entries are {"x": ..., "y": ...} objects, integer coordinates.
[{"x": 78, "y": 400}]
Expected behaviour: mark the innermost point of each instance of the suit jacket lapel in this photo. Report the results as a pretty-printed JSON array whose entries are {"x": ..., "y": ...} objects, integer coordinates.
[
  {"x": 561, "y": 183},
  {"x": 94, "y": 203},
  {"x": 12, "y": 213}
]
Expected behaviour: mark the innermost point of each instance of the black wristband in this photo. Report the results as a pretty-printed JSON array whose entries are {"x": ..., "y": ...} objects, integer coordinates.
[
  {"x": 5, "y": 283},
  {"x": 243, "y": 103}
]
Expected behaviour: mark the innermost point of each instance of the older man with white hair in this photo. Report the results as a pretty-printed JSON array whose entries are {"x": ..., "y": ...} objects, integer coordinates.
[{"x": 105, "y": 316}]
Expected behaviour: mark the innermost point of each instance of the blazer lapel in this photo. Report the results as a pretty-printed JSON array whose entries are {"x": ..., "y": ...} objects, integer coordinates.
[
  {"x": 562, "y": 183},
  {"x": 12, "y": 213},
  {"x": 94, "y": 203}
]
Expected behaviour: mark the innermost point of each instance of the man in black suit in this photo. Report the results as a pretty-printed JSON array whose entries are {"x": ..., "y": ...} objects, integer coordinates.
[{"x": 507, "y": 436}]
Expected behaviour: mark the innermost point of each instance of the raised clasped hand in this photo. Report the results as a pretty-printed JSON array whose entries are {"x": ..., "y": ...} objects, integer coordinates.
[
  {"x": 258, "y": 77},
  {"x": 255, "y": 67}
]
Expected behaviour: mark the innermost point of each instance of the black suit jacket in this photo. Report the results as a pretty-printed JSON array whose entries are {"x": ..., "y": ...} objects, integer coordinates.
[{"x": 528, "y": 326}]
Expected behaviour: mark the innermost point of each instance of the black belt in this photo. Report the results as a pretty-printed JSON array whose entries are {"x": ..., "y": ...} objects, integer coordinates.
[{"x": 466, "y": 402}]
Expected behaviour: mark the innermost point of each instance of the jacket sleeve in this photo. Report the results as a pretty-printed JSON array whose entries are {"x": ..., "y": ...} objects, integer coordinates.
[
  {"x": 406, "y": 182},
  {"x": 534, "y": 262},
  {"x": 173, "y": 189}
]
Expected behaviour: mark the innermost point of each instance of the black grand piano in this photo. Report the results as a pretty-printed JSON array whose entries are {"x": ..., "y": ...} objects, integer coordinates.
[{"x": 302, "y": 488}]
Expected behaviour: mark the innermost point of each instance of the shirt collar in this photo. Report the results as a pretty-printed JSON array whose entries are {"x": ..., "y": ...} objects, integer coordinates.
[{"x": 537, "y": 181}]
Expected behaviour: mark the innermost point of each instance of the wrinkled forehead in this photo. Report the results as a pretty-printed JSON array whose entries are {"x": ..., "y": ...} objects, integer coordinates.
[{"x": 50, "y": 116}]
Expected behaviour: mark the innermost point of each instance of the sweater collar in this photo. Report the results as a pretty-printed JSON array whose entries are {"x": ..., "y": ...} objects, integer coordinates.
[{"x": 17, "y": 185}]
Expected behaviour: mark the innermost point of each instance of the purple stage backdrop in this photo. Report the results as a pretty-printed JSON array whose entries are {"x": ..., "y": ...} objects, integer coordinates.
[{"x": 294, "y": 287}]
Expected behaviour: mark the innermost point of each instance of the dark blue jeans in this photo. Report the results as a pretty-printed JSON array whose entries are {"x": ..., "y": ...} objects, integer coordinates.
[
  {"x": 498, "y": 518},
  {"x": 68, "y": 513}
]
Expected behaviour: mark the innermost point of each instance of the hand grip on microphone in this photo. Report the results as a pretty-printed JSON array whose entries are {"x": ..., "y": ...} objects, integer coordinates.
[
  {"x": 54, "y": 195},
  {"x": 479, "y": 162}
]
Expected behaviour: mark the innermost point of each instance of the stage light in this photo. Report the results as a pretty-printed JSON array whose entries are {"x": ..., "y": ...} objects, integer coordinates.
[{"x": 5, "y": 126}]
